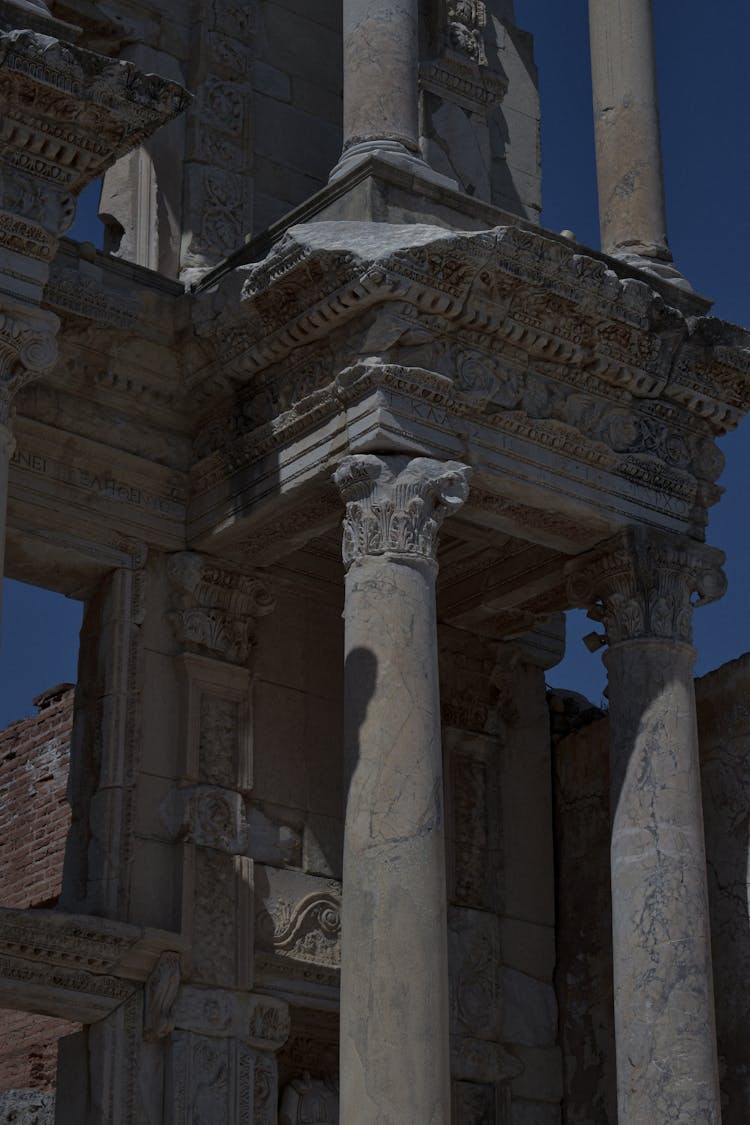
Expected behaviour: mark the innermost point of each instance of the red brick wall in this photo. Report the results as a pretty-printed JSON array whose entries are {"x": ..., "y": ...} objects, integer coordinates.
[{"x": 34, "y": 820}]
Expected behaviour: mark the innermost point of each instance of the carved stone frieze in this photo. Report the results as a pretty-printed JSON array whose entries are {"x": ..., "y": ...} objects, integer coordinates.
[
  {"x": 396, "y": 506},
  {"x": 216, "y": 606},
  {"x": 211, "y": 1081},
  {"x": 261, "y": 1021},
  {"x": 647, "y": 584},
  {"x": 219, "y": 156},
  {"x": 308, "y": 930},
  {"x": 497, "y": 332},
  {"x": 94, "y": 108}
]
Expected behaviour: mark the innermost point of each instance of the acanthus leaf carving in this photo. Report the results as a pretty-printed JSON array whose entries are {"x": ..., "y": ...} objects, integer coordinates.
[
  {"x": 397, "y": 505},
  {"x": 216, "y": 605},
  {"x": 647, "y": 584},
  {"x": 309, "y": 930}
]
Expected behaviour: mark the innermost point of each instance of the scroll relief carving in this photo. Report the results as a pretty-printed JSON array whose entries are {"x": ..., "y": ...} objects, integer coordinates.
[
  {"x": 647, "y": 585},
  {"x": 216, "y": 606},
  {"x": 397, "y": 505},
  {"x": 309, "y": 930}
]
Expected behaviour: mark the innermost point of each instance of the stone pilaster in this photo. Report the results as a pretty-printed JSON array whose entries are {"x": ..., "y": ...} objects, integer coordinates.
[
  {"x": 381, "y": 86},
  {"x": 644, "y": 590},
  {"x": 394, "y": 978}
]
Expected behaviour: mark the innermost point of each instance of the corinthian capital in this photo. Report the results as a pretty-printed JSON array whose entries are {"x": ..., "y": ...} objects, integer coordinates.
[
  {"x": 216, "y": 606},
  {"x": 647, "y": 585},
  {"x": 396, "y": 505}
]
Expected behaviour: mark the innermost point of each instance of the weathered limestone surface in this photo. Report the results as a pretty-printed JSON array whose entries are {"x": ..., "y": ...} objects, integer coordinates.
[
  {"x": 724, "y": 734},
  {"x": 583, "y": 975},
  {"x": 663, "y": 986},
  {"x": 632, "y": 212},
  {"x": 394, "y": 994}
]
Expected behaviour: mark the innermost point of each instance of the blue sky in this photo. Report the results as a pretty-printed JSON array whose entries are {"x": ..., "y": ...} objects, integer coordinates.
[{"x": 705, "y": 92}]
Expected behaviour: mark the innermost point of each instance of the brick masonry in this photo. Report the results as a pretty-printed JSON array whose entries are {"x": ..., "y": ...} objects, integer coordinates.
[{"x": 34, "y": 820}]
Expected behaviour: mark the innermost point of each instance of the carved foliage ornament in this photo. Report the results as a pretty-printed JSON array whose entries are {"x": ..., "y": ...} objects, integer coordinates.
[
  {"x": 217, "y": 605},
  {"x": 467, "y": 20},
  {"x": 396, "y": 506},
  {"x": 647, "y": 585}
]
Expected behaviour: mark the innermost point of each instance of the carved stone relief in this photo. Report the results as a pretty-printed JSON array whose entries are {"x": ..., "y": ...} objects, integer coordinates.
[
  {"x": 219, "y": 155},
  {"x": 307, "y": 1099},
  {"x": 647, "y": 585},
  {"x": 212, "y": 1081}
]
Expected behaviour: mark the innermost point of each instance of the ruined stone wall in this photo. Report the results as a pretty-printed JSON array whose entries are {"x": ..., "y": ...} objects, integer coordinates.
[
  {"x": 584, "y": 949},
  {"x": 34, "y": 820}
]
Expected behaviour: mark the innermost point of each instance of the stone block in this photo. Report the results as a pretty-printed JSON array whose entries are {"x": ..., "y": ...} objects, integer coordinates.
[
  {"x": 534, "y": 1113},
  {"x": 528, "y": 947},
  {"x": 296, "y": 139},
  {"x": 529, "y": 1010},
  {"x": 272, "y": 82},
  {"x": 541, "y": 1076}
]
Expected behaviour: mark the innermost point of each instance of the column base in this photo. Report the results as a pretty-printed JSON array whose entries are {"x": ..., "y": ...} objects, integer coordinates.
[
  {"x": 392, "y": 152},
  {"x": 661, "y": 267}
]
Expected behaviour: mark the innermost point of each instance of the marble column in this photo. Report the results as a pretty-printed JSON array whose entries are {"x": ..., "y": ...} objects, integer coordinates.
[
  {"x": 381, "y": 86},
  {"x": 644, "y": 591},
  {"x": 394, "y": 978},
  {"x": 632, "y": 212}
]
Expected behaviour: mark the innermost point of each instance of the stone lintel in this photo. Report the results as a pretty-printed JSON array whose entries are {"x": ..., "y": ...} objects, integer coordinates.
[{"x": 75, "y": 967}]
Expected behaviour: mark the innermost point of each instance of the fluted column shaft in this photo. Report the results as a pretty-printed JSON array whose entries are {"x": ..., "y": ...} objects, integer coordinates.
[
  {"x": 664, "y": 1005},
  {"x": 632, "y": 213},
  {"x": 395, "y": 1064}
]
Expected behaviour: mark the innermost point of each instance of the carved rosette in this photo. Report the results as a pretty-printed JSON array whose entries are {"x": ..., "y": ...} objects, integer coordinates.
[
  {"x": 647, "y": 585},
  {"x": 216, "y": 606},
  {"x": 396, "y": 505}
]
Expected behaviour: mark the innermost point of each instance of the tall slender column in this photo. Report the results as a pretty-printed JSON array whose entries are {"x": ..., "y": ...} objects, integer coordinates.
[
  {"x": 632, "y": 212},
  {"x": 664, "y": 1006},
  {"x": 394, "y": 977},
  {"x": 381, "y": 86}
]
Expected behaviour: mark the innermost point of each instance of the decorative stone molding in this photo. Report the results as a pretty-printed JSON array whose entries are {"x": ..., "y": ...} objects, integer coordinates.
[
  {"x": 396, "y": 506},
  {"x": 308, "y": 930},
  {"x": 647, "y": 585},
  {"x": 76, "y": 967},
  {"x": 217, "y": 606},
  {"x": 506, "y": 335},
  {"x": 107, "y": 107},
  {"x": 261, "y": 1021},
  {"x": 216, "y": 1080},
  {"x": 161, "y": 991}
]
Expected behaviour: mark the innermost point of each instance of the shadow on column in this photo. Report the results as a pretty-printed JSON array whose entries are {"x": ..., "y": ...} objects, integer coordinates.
[{"x": 360, "y": 678}]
